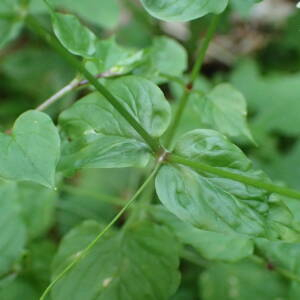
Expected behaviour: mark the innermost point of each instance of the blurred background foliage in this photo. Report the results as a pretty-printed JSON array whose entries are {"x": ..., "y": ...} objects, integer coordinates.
[{"x": 256, "y": 49}]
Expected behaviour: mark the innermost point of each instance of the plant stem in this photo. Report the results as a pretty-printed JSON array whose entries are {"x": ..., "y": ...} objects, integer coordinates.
[
  {"x": 54, "y": 98},
  {"x": 201, "y": 167},
  {"x": 194, "y": 74},
  {"x": 74, "y": 84},
  {"x": 85, "y": 251},
  {"x": 203, "y": 49},
  {"x": 34, "y": 25}
]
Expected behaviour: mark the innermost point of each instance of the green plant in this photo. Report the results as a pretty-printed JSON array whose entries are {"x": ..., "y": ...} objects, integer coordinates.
[{"x": 215, "y": 205}]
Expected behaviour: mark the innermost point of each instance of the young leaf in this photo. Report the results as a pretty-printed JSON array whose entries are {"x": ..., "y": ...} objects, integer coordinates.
[
  {"x": 32, "y": 151},
  {"x": 224, "y": 109},
  {"x": 111, "y": 56},
  {"x": 101, "y": 138},
  {"x": 211, "y": 245},
  {"x": 75, "y": 37},
  {"x": 160, "y": 58},
  {"x": 183, "y": 10},
  {"x": 13, "y": 236},
  {"x": 245, "y": 280},
  {"x": 217, "y": 204},
  {"x": 140, "y": 263}
]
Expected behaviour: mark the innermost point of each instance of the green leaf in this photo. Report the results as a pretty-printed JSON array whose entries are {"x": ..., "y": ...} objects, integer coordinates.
[
  {"x": 225, "y": 110},
  {"x": 160, "y": 58},
  {"x": 111, "y": 56},
  {"x": 271, "y": 97},
  {"x": 38, "y": 207},
  {"x": 243, "y": 7},
  {"x": 294, "y": 292},
  {"x": 32, "y": 151},
  {"x": 75, "y": 37},
  {"x": 13, "y": 236},
  {"x": 281, "y": 254},
  {"x": 105, "y": 13},
  {"x": 12, "y": 13},
  {"x": 183, "y": 10},
  {"x": 101, "y": 138},
  {"x": 218, "y": 204},
  {"x": 211, "y": 245},
  {"x": 242, "y": 281},
  {"x": 132, "y": 264},
  {"x": 20, "y": 288}
]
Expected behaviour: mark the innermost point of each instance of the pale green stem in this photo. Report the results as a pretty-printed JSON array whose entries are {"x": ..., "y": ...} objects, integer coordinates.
[
  {"x": 201, "y": 167},
  {"x": 85, "y": 251}
]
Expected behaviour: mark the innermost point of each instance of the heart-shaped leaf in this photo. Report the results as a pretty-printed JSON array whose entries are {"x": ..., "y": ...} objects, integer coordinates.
[{"x": 32, "y": 151}]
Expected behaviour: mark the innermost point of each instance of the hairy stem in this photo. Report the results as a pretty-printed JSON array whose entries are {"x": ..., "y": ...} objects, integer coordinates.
[
  {"x": 34, "y": 25},
  {"x": 201, "y": 167},
  {"x": 85, "y": 251},
  {"x": 193, "y": 76}
]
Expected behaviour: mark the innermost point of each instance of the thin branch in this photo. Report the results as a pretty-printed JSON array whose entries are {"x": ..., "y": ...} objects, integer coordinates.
[
  {"x": 54, "y": 98},
  {"x": 74, "y": 84},
  {"x": 86, "y": 250}
]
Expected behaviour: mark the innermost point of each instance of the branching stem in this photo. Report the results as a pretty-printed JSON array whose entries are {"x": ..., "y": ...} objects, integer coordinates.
[{"x": 74, "y": 84}]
